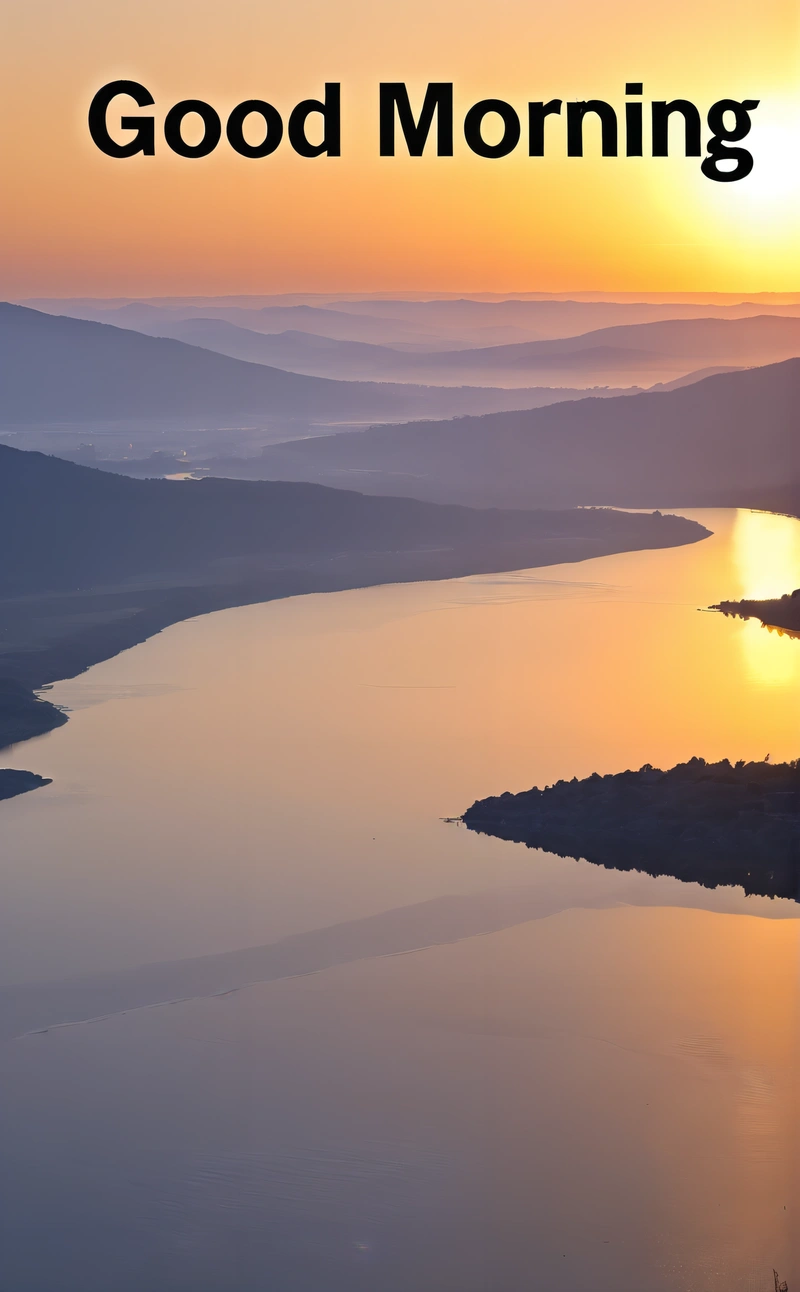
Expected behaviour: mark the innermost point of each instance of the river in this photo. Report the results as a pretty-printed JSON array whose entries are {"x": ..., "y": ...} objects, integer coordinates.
[{"x": 475, "y": 1067}]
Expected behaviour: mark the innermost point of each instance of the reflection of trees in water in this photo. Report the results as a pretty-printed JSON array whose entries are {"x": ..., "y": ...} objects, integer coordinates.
[
  {"x": 782, "y": 632},
  {"x": 706, "y": 823},
  {"x": 781, "y": 614}
]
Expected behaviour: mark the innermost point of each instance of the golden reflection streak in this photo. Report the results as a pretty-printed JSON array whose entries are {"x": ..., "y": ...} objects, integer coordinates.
[
  {"x": 769, "y": 658},
  {"x": 766, "y": 552}
]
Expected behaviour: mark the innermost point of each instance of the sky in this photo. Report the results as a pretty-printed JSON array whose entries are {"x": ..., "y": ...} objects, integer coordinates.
[{"x": 75, "y": 222}]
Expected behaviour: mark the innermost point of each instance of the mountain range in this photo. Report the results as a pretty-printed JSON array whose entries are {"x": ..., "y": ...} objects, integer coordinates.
[
  {"x": 423, "y": 324},
  {"x": 637, "y": 352},
  {"x": 728, "y": 438},
  {"x": 632, "y": 354},
  {"x": 56, "y": 369}
]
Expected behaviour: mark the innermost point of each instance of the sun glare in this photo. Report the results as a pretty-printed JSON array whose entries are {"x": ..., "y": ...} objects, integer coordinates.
[
  {"x": 746, "y": 228},
  {"x": 774, "y": 143},
  {"x": 767, "y": 554},
  {"x": 766, "y": 205}
]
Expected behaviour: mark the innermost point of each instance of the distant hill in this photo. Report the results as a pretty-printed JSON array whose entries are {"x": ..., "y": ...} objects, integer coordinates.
[
  {"x": 55, "y": 369},
  {"x": 721, "y": 439},
  {"x": 557, "y": 318},
  {"x": 423, "y": 324},
  {"x": 705, "y": 340},
  {"x": 313, "y": 319},
  {"x": 310, "y": 354},
  {"x": 616, "y": 356},
  {"x": 290, "y": 349},
  {"x": 691, "y": 377}
]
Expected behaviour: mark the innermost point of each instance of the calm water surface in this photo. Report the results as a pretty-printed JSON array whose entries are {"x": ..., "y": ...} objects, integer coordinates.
[{"x": 598, "y": 1092}]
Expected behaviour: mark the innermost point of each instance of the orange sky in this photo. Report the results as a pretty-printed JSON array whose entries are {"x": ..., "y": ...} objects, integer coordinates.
[{"x": 73, "y": 221}]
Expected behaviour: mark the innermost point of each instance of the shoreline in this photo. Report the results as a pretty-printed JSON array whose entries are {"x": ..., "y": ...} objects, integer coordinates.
[{"x": 130, "y": 616}]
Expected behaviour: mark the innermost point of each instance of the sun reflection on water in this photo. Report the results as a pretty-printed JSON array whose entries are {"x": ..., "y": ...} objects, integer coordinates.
[
  {"x": 766, "y": 551},
  {"x": 770, "y": 658}
]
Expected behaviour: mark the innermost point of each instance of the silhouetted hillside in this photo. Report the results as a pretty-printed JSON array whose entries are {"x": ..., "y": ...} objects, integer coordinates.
[
  {"x": 70, "y": 526},
  {"x": 729, "y": 438}
]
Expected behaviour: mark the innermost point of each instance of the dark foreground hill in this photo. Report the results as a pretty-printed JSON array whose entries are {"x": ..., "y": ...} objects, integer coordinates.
[
  {"x": 55, "y": 369},
  {"x": 707, "y": 823},
  {"x": 729, "y": 438},
  {"x": 93, "y": 563},
  {"x": 65, "y": 527}
]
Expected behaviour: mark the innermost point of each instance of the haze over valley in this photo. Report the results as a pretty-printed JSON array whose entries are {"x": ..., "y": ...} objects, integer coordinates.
[
  {"x": 163, "y": 386},
  {"x": 728, "y": 438}
]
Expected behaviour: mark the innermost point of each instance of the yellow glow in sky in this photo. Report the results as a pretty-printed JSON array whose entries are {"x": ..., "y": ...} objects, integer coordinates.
[{"x": 75, "y": 221}]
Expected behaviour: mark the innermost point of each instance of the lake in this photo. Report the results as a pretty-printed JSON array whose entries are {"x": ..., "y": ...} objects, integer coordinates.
[{"x": 303, "y": 1033}]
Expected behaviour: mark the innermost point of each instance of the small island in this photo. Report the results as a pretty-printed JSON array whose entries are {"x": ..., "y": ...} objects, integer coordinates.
[
  {"x": 782, "y": 613},
  {"x": 13, "y": 782},
  {"x": 706, "y": 823}
]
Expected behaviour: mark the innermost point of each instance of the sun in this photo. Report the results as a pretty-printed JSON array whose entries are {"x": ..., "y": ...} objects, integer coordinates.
[
  {"x": 745, "y": 232},
  {"x": 775, "y": 144}
]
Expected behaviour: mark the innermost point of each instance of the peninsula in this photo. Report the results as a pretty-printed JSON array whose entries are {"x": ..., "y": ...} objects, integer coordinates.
[
  {"x": 99, "y": 562},
  {"x": 14, "y": 782},
  {"x": 705, "y": 823},
  {"x": 782, "y": 613}
]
